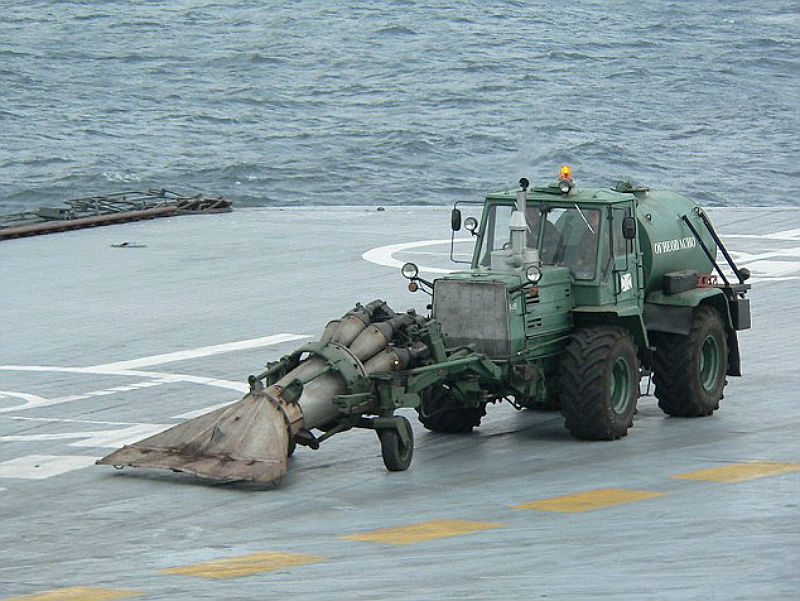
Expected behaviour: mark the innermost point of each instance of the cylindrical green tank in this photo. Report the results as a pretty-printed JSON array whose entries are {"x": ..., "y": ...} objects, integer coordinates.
[{"x": 667, "y": 242}]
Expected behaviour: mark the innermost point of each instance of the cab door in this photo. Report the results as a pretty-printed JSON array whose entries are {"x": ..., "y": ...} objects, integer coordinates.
[{"x": 626, "y": 262}]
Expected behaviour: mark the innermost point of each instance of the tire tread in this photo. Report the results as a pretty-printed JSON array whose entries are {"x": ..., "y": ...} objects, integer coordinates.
[
  {"x": 583, "y": 384},
  {"x": 679, "y": 394}
]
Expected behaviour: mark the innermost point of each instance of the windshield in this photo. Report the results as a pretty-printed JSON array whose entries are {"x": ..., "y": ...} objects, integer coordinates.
[{"x": 563, "y": 235}]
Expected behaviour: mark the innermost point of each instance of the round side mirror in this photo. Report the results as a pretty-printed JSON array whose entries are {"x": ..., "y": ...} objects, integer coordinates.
[
  {"x": 629, "y": 228},
  {"x": 455, "y": 220}
]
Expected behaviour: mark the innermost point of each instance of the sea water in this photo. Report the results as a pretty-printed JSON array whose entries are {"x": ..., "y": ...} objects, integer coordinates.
[{"x": 397, "y": 102}]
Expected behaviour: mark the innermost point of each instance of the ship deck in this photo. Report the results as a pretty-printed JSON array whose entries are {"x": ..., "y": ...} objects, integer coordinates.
[{"x": 104, "y": 343}]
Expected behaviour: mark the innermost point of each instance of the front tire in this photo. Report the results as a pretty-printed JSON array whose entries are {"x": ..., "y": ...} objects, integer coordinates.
[
  {"x": 440, "y": 412},
  {"x": 689, "y": 371},
  {"x": 599, "y": 383},
  {"x": 397, "y": 455}
]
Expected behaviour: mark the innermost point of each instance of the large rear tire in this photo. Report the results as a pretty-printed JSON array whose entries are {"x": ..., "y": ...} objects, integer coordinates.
[
  {"x": 440, "y": 412},
  {"x": 689, "y": 371},
  {"x": 599, "y": 383}
]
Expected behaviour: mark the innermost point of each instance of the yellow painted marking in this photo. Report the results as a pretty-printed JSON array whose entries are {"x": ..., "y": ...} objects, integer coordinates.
[
  {"x": 416, "y": 533},
  {"x": 78, "y": 593},
  {"x": 740, "y": 472},
  {"x": 244, "y": 565},
  {"x": 590, "y": 499}
]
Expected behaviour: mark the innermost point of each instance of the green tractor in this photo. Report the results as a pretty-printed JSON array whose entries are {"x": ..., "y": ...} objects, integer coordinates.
[{"x": 570, "y": 297}]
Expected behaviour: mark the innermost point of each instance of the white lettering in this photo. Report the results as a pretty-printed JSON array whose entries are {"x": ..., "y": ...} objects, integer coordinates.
[{"x": 670, "y": 246}]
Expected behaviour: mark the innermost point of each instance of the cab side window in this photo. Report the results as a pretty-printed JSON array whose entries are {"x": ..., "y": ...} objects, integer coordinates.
[
  {"x": 496, "y": 233},
  {"x": 581, "y": 229}
]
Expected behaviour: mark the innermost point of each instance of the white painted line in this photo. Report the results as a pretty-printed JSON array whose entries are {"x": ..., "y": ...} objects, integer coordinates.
[
  {"x": 203, "y": 411},
  {"x": 60, "y": 420},
  {"x": 101, "y": 438},
  {"x": 39, "y": 467},
  {"x": 33, "y": 401},
  {"x": 29, "y": 398},
  {"x": 229, "y": 384},
  {"x": 37, "y": 402},
  {"x": 145, "y": 384},
  {"x": 97, "y": 393},
  {"x": 774, "y": 269},
  {"x": 789, "y": 235},
  {"x": 118, "y": 438},
  {"x": 44, "y": 437},
  {"x": 205, "y": 351},
  {"x": 383, "y": 254},
  {"x": 126, "y": 368},
  {"x": 443, "y": 254},
  {"x": 773, "y": 254},
  {"x": 765, "y": 268},
  {"x": 53, "y": 368},
  {"x": 162, "y": 377}
]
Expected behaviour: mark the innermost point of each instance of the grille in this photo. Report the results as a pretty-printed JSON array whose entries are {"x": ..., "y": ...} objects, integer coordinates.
[{"x": 473, "y": 313}]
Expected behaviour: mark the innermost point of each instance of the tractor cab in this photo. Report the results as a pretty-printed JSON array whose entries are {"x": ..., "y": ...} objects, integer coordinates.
[
  {"x": 562, "y": 236},
  {"x": 588, "y": 234}
]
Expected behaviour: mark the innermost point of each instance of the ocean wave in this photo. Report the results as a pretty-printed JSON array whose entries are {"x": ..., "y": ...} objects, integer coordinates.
[
  {"x": 395, "y": 31},
  {"x": 419, "y": 99}
]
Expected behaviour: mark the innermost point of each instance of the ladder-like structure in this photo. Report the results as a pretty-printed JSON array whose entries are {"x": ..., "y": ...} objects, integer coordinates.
[{"x": 120, "y": 207}]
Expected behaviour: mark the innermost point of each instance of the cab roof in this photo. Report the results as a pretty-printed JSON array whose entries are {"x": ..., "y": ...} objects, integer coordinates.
[{"x": 552, "y": 194}]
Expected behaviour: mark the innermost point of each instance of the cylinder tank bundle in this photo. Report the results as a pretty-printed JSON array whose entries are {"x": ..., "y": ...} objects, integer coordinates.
[
  {"x": 252, "y": 439},
  {"x": 369, "y": 338}
]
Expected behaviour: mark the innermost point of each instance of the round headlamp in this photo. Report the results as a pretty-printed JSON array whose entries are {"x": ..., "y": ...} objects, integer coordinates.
[
  {"x": 409, "y": 271},
  {"x": 533, "y": 274},
  {"x": 470, "y": 224}
]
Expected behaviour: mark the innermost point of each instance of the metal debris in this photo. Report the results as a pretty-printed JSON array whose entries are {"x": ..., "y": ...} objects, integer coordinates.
[{"x": 120, "y": 207}]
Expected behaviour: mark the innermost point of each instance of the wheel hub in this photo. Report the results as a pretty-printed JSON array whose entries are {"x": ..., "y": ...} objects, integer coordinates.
[
  {"x": 620, "y": 388},
  {"x": 709, "y": 362}
]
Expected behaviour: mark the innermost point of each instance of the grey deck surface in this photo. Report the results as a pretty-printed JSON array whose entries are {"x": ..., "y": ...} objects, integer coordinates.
[{"x": 100, "y": 346}]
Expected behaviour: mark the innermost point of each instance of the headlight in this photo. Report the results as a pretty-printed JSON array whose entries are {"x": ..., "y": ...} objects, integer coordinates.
[
  {"x": 409, "y": 271},
  {"x": 470, "y": 224},
  {"x": 533, "y": 274}
]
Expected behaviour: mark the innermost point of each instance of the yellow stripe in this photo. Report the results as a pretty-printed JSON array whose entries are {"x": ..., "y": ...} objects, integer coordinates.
[
  {"x": 740, "y": 472},
  {"x": 415, "y": 533},
  {"x": 244, "y": 565},
  {"x": 78, "y": 593},
  {"x": 590, "y": 499}
]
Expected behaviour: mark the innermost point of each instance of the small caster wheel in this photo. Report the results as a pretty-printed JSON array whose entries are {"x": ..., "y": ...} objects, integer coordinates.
[{"x": 396, "y": 449}]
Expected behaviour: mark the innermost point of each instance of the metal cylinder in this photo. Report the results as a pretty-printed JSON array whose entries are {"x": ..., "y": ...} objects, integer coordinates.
[
  {"x": 330, "y": 330},
  {"x": 368, "y": 347},
  {"x": 371, "y": 340},
  {"x": 390, "y": 359},
  {"x": 306, "y": 371},
  {"x": 350, "y": 326},
  {"x": 315, "y": 402},
  {"x": 668, "y": 244}
]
